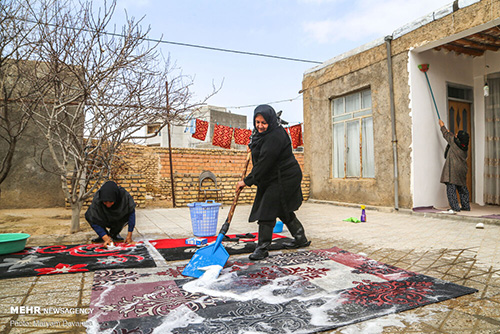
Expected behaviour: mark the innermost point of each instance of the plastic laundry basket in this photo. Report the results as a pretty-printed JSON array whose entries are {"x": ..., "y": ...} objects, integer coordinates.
[{"x": 204, "y": 217}]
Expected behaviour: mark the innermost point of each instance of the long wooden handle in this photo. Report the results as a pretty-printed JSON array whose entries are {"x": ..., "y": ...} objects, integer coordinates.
[{"x": 235, "y": 200}]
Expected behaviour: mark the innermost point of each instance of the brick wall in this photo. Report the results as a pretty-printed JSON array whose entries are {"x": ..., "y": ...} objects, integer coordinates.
[{"x": 151, "y": 165}]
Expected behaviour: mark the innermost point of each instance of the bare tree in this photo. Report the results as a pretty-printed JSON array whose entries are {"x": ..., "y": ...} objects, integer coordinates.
[
  {"x": 17, "y": 96},
  {"x": 99, "y": 89}
]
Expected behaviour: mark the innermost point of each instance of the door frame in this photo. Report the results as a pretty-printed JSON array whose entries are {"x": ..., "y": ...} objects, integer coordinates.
[{"x": 468, "y": 98}]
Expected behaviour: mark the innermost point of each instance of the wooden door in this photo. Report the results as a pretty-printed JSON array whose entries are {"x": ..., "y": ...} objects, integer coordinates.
[{"x": 459, "y": 118}]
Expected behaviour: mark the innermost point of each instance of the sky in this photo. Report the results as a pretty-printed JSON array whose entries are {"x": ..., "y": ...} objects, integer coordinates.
[{"x": 314, "y": 30}]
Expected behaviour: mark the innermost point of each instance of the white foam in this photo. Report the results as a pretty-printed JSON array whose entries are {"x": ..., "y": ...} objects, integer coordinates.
[
  {"x": 319, "y": 314},
  {"x": 223, "y": 287},
  {"x": 180, "y": 317}
]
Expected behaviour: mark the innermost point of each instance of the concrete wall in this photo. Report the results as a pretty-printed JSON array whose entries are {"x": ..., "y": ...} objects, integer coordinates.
[
  {"x": 418, "y": 159},
  {"x": 182, "y": 136},
  {"x": 29, "y": 185},
  {"x": 319, "y": 142}
]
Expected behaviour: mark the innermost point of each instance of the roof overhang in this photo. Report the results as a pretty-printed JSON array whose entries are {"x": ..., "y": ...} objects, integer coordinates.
[{"x": 473, "y": 42}]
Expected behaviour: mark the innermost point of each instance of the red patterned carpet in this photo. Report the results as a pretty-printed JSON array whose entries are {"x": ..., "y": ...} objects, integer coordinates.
[
  {"x": 63, "y": 259},
  {"x": 306, "y": 292}
]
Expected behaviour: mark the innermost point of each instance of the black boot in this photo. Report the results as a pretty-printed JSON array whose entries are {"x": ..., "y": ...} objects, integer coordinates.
[
  {"x": 265, "y": 239},
  {"x": 297, "y": 231}
]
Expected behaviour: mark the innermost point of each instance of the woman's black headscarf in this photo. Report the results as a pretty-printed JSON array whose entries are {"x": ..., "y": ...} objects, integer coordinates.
[
  {"x": 119, "y": 212},
  {"x": 272, "y": 120},
  {"x": 109, "y": 192},
  {"x": 461, "y": 140}
]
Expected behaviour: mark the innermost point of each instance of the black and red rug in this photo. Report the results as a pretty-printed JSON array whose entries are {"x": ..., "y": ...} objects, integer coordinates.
[
  {"x": 63, "y": 259},
  {"x": 300, "y": 292},
  {"x": 177, "y": 249}
]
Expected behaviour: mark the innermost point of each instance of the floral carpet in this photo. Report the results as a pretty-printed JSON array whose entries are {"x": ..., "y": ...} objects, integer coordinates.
[
  {"x": 63, "y": 259},
  {"x": 299, "y": 292},
  {"x": 177, "y": 249}
]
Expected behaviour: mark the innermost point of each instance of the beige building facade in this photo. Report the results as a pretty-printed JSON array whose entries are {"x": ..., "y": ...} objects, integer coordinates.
[{"x": 370, "y": 123}]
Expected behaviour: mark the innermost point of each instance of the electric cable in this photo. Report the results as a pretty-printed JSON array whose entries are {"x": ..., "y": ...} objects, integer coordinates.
[{"x": 155, "y": 40}]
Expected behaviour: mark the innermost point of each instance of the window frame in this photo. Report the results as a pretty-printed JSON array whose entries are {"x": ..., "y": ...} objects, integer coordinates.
[{"x": 344, "y": 117}]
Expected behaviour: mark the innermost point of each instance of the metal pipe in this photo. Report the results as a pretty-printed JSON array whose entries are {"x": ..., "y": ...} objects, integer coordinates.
[{"x": 388, "y": 40}]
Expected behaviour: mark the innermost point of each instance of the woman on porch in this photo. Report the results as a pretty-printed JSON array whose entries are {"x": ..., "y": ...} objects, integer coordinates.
[{"x": 454, "y": 173}]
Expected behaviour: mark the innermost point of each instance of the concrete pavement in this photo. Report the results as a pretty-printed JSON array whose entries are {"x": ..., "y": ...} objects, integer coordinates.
[{"x": 449, "y": 248}]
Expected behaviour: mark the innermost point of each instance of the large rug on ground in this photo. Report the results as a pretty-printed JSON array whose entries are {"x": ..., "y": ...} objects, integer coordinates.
[
  {"x": 63, "y": 259},
  {"x": 300, "y": 292},
  {"x": 176, "y": 249}
]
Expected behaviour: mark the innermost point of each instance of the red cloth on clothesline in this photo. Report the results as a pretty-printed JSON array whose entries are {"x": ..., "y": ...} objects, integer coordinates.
[
  {"x": 242, "y": 136},
  {"x": 296, "y": 135},
  {"x": 201, "y": 129},
  {"x": 222, "y": 136}
]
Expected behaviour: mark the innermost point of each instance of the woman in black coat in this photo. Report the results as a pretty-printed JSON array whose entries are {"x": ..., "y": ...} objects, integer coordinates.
[
  {"x": 278, "y": 176},
  {"x": 111, "y": 209}
]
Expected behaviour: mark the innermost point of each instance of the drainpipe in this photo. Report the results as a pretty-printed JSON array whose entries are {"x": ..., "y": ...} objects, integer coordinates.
[{"x": 388, "y": 40}]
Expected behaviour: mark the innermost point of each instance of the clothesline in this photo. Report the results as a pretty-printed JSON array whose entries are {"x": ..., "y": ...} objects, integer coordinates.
[
  {"x": 223, "y": 135},
  {"x": 192, "y": 124}
]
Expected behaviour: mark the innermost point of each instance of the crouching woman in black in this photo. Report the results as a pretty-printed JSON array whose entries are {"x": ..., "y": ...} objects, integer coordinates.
[
  {"x": 277, "y": 175},
  {"x": 112, "y": 208}
]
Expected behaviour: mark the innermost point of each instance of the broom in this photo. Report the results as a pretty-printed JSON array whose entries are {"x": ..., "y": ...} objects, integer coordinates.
[{"x": 424, "y": 68}]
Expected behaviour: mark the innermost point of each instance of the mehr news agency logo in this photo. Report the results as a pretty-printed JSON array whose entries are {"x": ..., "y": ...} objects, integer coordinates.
[{"x": 33, "y": 310}]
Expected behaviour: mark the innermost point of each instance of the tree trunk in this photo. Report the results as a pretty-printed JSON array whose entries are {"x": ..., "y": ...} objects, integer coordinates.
[{"x": 75, "y": 216}]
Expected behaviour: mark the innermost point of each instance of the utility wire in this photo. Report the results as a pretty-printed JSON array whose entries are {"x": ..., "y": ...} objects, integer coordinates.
[
  {"x": 155, "y": 40},
  {"x": 255, "y": 105}
]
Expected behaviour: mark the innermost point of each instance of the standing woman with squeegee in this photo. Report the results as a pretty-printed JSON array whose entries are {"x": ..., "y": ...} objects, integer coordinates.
[{"x": 278, "y": 176}]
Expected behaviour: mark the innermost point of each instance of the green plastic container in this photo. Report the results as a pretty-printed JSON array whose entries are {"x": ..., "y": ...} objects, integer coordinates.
[{"x": 12, "y": 242}]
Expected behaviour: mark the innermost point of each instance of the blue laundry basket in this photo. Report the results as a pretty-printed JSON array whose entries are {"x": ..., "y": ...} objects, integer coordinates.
[{"x": 204, "y": 217}]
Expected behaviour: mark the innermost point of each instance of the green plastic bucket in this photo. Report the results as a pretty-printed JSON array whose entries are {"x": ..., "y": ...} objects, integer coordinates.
[{"x": 12, "y": 242}]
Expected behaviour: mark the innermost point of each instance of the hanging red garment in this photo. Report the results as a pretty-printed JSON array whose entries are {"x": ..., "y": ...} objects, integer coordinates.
[
  {"x": 242, "y": 136},
  {"x": 296, "y": 135},
  {"x": 201, "y": 129},
  {"x": 222, "y": 136}
]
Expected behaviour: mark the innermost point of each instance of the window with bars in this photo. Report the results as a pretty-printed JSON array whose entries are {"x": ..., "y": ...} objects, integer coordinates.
[{"x": 353, "y": 154}]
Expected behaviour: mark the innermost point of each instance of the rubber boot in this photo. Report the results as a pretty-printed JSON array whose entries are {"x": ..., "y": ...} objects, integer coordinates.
[
  {"x": 264, "y": 241},
  {"x": 297, "y": 231}
]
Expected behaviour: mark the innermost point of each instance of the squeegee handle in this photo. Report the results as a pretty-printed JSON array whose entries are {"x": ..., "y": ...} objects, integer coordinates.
[
  {"x": 432, "y": 94},
  {"x": 225, "y": 226}
]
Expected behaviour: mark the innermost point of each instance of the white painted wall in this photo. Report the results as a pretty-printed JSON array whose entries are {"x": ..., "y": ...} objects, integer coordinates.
[
  {"x": 428, "y": 144},
  {"x": 489, "y": 63}
]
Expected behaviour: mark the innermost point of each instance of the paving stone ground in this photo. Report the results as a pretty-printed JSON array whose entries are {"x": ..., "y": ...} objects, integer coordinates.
[{"x": 449, "y": 248}]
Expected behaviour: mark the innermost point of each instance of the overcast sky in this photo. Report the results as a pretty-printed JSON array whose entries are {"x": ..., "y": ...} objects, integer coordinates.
[{"x": 315, "y": 30}]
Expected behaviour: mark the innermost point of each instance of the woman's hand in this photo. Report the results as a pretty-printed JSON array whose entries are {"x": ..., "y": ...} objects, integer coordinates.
[
  {"x": 128, "y": 239},
  {"x": 441, "y": 123},
  {"x": 107, "y": 241},
  {"x": 240, "y": 185}
]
